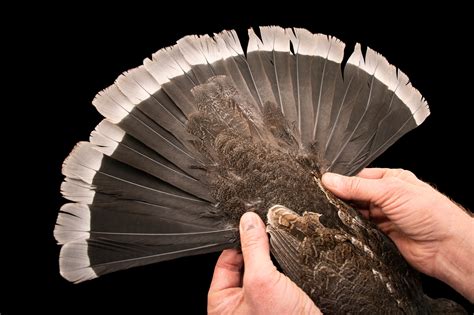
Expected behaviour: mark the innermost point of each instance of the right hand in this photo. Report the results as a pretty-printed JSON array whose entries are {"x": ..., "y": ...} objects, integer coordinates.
[{"x": 433, "y": 233}]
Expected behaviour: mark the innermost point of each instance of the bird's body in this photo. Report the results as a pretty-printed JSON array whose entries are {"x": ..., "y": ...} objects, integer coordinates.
[{"x": 203, "y": 133}]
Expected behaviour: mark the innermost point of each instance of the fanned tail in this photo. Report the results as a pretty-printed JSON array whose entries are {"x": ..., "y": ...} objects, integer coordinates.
[{"x": 173, "y": 157}]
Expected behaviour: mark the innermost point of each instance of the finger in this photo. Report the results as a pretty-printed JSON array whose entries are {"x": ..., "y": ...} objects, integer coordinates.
[
  {"x": 255, "y": 247},
  {"x": 373, "y": 173},
  {"x": 378, "y": 173},
  {"x": 228, "y": 271},
  {"x": 405, "y": 175},
  {"x": 353, "y": 188}
]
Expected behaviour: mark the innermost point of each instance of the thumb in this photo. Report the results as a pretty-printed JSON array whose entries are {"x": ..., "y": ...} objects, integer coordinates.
[
  {"x": 353, "y": 188},
  {"x": 255, "y": 247}
]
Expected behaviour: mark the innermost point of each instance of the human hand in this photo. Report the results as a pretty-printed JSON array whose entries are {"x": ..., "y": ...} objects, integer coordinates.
[
  {"x": 261, "y": 288},
  {"x": 433, "y": 234}
]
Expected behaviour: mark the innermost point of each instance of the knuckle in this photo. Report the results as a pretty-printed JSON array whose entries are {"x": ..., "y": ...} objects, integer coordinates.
[
  {"x": 395, "y": 172},
  {"x": 250, "y": 242},
  {"x": 397, "y": 188},
  {"x": 354, "y": 185},
  {"x": 392, "y": 183},
  {"x": 408, "y": 174},
  {"x": 402, "y": 173}
]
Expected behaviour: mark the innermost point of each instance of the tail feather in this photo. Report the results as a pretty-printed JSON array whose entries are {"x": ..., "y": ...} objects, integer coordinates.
[
  {"x": 261, "y": 67},
  {"x": 125, "y": 217},
  {"x": 326, "y": 69},
  {"x": 277, "y": 42},
  {"x": 172, "y": 72},
  {"x": 108, "y": 176},
  {"x": 242, "y": 63},
  {"x": 374, "y": 102},
  {"x": 303, "y": 43},
  {"x": 345, "y": 99},
  {"x": 200, "y": 52},
  {"x": 87, "y": 259},
  {"x": 136, "y": 124},
  {"x": 233, "y": 65},
  {"x": 113, "y": 142}
]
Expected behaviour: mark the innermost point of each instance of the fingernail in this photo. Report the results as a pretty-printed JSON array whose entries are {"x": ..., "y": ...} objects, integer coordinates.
[
  {"x": 332, "y": 180},
  {"x": 248, "y": 221}
]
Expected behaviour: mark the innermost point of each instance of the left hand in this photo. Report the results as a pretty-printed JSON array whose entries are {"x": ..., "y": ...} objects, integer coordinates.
[{"x": 261, "y": 289}]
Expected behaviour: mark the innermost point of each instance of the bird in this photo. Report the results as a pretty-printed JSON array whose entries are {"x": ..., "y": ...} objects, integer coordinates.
[{"x": 203, "y": 132}]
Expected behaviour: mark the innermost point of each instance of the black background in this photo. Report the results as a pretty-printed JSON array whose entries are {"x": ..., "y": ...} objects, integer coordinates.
[{"x": 67, "y": 55}]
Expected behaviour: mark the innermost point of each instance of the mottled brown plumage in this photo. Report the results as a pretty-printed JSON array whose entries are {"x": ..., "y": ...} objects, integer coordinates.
[
  {"x": 322, "y": 244},
  {"x": 256, "y": 174}
]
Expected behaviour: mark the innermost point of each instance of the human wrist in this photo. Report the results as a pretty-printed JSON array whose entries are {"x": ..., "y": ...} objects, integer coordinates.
[{"x": 454, "y": 263}]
